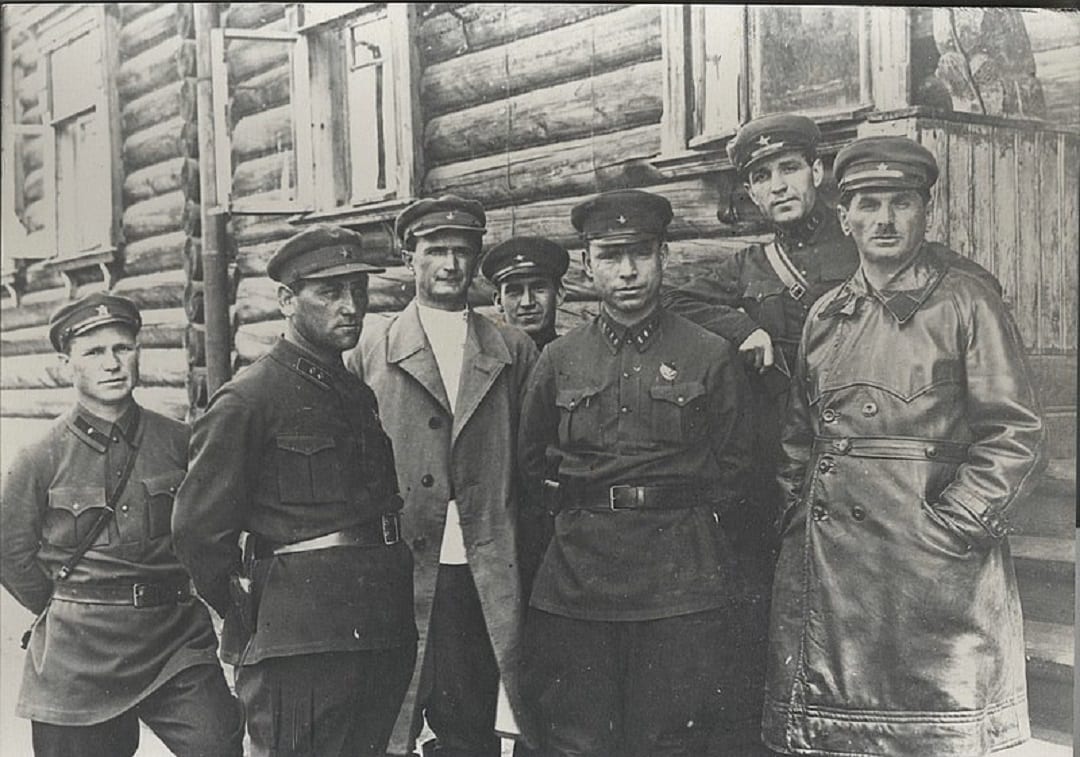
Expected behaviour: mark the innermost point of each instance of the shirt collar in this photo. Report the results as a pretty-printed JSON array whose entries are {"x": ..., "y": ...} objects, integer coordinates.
[
  {"x": 806, "y": 230},
  {"x": 640, "y": 334},
  {"x": 920, "y": 278},
  {"x": 97, "y": 432}
]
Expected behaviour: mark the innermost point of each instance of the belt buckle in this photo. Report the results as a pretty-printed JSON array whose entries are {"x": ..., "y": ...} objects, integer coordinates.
[
  {"x": 145, "y": 595},
  {"x": 391, "y": 528},
  {"x": 611, "y": 496},
  {"x": 797, "y": 291}
]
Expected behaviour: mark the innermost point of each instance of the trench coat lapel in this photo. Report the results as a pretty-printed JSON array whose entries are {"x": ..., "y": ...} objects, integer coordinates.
[
  {"x": 408, "y": 348},
  {"x": 485, "y": 357}
]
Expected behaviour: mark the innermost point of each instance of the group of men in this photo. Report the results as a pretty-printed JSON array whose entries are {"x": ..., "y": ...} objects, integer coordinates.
[{"x": 439, "y": 517}]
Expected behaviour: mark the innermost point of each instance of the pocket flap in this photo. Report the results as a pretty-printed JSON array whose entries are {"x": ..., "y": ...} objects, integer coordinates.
[
  {"x": 571, "y": 399},
  {"x": 759, "y": 289},
  {"x": 77, "y": 499},
  {"x": 305, "y": 445},
  {"x": 679, "y": 394},
  {"x": 165, "y": 483}
]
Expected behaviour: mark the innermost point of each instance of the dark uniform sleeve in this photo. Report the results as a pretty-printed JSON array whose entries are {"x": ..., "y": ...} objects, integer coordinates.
[
  {"x": 1008, "y": 451},
  {"x": 797, "y": 439},
  {"x": 212, "y": 503},
  {"x": 712, "y": 301},
  {"x": 729, "y": 404},
  {"x": 22, "y": 502},
  {"x": 539, "y": 428}
]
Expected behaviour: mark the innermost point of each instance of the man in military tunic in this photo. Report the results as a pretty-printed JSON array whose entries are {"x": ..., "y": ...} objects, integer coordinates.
[
  {"x": 527, "y": 272},
  {"x": 635, "y": 426},
  {"x": 85, "y": 545},
  {"x": 291, "y": 453}
]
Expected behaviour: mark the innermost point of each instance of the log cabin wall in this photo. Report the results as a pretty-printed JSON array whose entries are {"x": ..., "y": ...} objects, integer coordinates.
[{"x": 160, "y": 252}]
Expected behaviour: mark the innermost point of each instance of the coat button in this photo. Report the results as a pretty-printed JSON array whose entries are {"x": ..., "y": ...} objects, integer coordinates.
[
  {"x": 842, "y": 446},
  {"x": 427, "y": 480},
  {"x": 869, "y": 409},
  {"x": 819, "y": 512},
  {"x": 419, "y": 543},
  {"x": 434, "y": 422},
  {"x": 931, "y": 452},
  {"x": 858, "y": 513},
  {"x": 825, "y": 465},
  {"x": 828, "y": 415}
]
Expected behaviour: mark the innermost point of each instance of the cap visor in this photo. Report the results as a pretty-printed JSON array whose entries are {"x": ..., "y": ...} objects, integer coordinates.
[
  {"x": 342, "y": 270},
  {"x": 611, "y": 240},
  {"x": 96, "y": 323},
  {"x": 895, "y": 184},
  {"x": 459, "y": 227}
]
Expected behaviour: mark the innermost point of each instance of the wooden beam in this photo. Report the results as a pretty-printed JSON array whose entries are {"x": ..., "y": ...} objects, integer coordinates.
[
  {"x": 157, "y": 367},
  {"x": 157, "y": 105},
  {"x": 49, "y": 403},
  {"x": 158, "y": 215},
  {"x": 151, "y": 69},
  {"x": 252, "y": 15},
  {"x": 263, "y": 133},
  {"x": 160, "y": 178},
  {"x": 149, "y": 29},
  {"x": 169, "y": 139},
  {"x": 161, "y": 252}
]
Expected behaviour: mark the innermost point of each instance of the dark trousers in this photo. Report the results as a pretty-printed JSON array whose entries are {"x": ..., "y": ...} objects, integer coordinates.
[
  {"x": 655, "y": 688},
  {"x": 194, "y": 714},
  {"x": 459, "y": 702},
  {"x": 328, "y": 704}
]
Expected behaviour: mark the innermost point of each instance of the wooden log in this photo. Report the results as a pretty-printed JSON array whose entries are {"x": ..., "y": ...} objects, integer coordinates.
[
  {"x": 262, "y": 92},
  {"x": 157, "y": 179},
  {"x": 195, "y": 345},
  {"x": 608, "y": 102},
  {"x": 580, "y": 166},
  {"x": 248, "y": 58},
  {"x": 34, "y": 310},
  {"x": 49, "y": 403},
  {"x": 193, "y": 258},
  {"x": 263, "y": 133},
  {"x": 40, "y": 276},
  {"x": 252, "y": 340},
  {"x": 250, "y": 229},
  {"x": 264, "y": 176},
  {"x": 158, "y": 215},
  {"x": 169, "y": 139},
  {"x": 149, "y": 29},
  {"x": 482, "y": 25},
  {"x": 195, "y": 302},
  {"x": 131, "y": 11},
  {"x": 154, "y": 290},
  {"x": 377, "y": 241},
  {"x": 43, "y": 371},
  {"x": 151, "y": 69},
  {"x": 192, "y": 219},
  {"x": 33, "y": 157},
  {"x": 34, "y": 186},
  {"x": 591, "y": 46},
  {"x": 160, "y": 329},
  {"x": 36, "y": 215},
  {"x": 157, "y": 105},
  {"x": 161, "y": 252},
  {"x": 252, "y": 15}
]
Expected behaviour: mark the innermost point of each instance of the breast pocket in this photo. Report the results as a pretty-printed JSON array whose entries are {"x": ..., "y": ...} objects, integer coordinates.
[
  {"x": 579, "y": 416},
  {"x": 309, "y": 469},
  {"x": 160, "y": 492},
  {"x": 72, "y": 512},
  {"x": 678, "y": 411},
  {"x": 762, "y": 302}
]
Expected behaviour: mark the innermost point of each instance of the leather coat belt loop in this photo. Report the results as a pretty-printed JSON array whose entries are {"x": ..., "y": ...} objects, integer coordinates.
[
  {"x": 132, "y": 595},
  {"x": 892, "y": 448}
]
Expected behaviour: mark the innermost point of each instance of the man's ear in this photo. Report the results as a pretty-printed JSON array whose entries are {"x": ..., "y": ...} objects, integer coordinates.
[
  {"x": 817, "y": 169},
  {"x": 663, "y": 255},
  {"x": 930, "y": 209},
  {"x": 496, "y": 299},
  {"x": 406, "y": 258},
  {"x": 586, "y": 263},
  {"x": 286, "y": 300},
  {"x": 841, "y": 213}
]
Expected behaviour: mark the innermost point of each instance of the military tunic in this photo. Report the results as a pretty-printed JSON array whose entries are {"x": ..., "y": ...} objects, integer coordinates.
[{"x": 88, "y": 663}]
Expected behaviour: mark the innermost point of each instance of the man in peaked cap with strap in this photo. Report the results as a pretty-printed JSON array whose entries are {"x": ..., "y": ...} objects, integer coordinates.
[
  {"x": 450, "y": 383},
  {"x": 291, "y": 454},
  {"x": 85, "y": 545},
  {"x": 912, "y": 435},
  {"x": 634, "y": 426},
  {"x": 527, "y": 272}
]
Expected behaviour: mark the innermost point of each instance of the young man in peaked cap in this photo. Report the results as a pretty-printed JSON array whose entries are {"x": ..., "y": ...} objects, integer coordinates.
[
  {"x": 291, "y": 454},
  {"x": 633, "y": 433},
  {"x": 527, "y": 272},
  {"x": 85, "y": 544},
  {"x": 912, "y": 435}
]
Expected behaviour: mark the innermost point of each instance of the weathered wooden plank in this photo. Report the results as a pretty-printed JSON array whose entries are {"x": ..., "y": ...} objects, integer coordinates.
[
  {"x": 1004, "y": 235},
  {"x": 169, "y": 139},
  {"x": 158, "y": 179},
  {"x": 253, "y": 339},
  {"x": 262, "y": 133},
  {"x": 34, "y": 310},
  {"x": 250, "y": 229},
  {"x": 252, "y": 15},
  {"x": 131, "y": 11},
  {"x": 156, "y": 368},
  {"x": 262, "y": 92},
  {"x": 158, "y": 105},
  {"x": 158, "y": 215},
  {"x": 482, "y": 25},
  {"x": 1027, "y": 249},
  {"x": 154, "y": 290},
  {"x": 49, "y": 403},
  {"x": 1059, "y": 72},
  {"x": 378, "y": 242},
  {"x": 264, "y": 176},
  {"x": 591, "y": 46},
  {"x": 149, "y": 29},
  {"x": 1051, "y": 266},
  {"x": 1054, "y": 377},
  {"x": 591, "y": 164},
  {"x": 1070, "y": 240},
  {"x": 982, "y": 181},
  {"x": 961, "y": 189},
  {"x": 161, "y": 252},
  {"x": 935, "y": 138},
  {"x": 172, "y": 59},
  {"x": 616, "y": 100},
  {"x": 160, "y": 329}
]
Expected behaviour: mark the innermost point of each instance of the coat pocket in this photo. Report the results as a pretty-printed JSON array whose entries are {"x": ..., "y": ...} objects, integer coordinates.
[
  {"x": 941, "y": 533},
  {"x": 309, "y": 469},
  {"x": 678, "y": 412},
  {"x": 160, "y": 491},
  {"x": 579, "y": 416},
  {"x": 72, "y": 512}
]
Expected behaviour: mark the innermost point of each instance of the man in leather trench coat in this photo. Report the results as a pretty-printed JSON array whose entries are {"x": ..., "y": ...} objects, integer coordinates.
[{"x": 912, "y": 433}]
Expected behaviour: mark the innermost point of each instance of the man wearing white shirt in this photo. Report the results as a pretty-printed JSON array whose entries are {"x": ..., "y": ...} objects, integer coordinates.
[{"x": 449, "y": 384}]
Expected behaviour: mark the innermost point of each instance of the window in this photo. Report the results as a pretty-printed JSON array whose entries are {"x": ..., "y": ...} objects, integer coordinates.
[
  {"x": 62, "y": 136},
  {"x": 349, "y": 148},
  {"x": 727, "y": 64}
]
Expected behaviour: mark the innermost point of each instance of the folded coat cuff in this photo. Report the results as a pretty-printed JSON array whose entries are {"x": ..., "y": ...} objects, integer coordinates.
[{"x": 993, "y": 522}]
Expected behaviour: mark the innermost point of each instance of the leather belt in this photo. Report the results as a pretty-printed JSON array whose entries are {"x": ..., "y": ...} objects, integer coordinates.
[
  {"x": 134, "y": 595},
  {"x": 894, "y": 448},
  {"x": 626, "y": 497},
  {"x": 383, "y": 531}
]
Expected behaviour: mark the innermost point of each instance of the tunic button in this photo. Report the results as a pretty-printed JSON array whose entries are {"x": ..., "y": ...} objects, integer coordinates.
[
  {"x": 842, "y": 446},
  {"x": 858, "y": 513},
  {"x": 931, "y": 452},
  {"x": 124, "y": 508},
  {"x": 819, "y": 512},
  {"x": 869, "y": 409},
  {"x": 828, "y": 415},
  {"x": 624, "y": 409},
  {"x": 825, "y": 465},
  {"x": 75, "y": 506},
  {"x": 419, "y": 543},
  {"x": 434, "y": 422},
  {"x": 427, "y": 480},
  {"x": 626, "y": 374}
]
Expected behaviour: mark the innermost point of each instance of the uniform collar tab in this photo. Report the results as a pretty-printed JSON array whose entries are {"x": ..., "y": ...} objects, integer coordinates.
[
  {"x": 96, "y": 432},
  {"x": 640, "y": 334},
  {"x": 303, "y": 362}
]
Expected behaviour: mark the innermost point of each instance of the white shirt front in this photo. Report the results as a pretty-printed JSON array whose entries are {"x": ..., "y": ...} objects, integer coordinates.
[{"x": 446, "y": 332}]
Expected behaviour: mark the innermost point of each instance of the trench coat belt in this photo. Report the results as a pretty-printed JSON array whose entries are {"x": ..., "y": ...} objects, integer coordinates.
[
  {"x": 893, "y": 448},
  {"x": 382, "y": 531},
  {"x": 627, "y": 497},
  {"x": 131, "y": 594}
]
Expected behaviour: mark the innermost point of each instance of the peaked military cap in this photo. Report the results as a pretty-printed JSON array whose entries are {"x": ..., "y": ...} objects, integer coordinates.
[
  {"x": 771, "y": 135},
  {"x": 91, "y": 312},
  {"x": 536, "y": 255},
  {"x": 621, "y": 216},
  {"x": 319, "y": 252},
  {"x": 437, "y": 213},
  {"x": 885, "y": 163}
]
